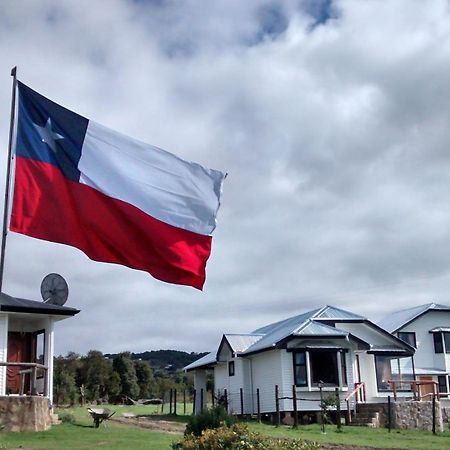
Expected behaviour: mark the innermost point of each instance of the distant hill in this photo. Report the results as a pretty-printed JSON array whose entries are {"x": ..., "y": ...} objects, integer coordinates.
[{"x": 160, "y": 359}]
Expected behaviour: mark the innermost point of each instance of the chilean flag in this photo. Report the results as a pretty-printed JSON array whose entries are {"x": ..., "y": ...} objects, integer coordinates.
[{"x": 115, "y": 198}]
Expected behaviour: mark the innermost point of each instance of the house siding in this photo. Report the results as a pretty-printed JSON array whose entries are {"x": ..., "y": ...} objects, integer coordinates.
[
  {"x": 266, "y": 375},
  {"x": 425, "y": 355}
]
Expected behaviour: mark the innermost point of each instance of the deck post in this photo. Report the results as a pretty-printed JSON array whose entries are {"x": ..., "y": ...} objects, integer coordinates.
[{"x": 241, "y": 396}]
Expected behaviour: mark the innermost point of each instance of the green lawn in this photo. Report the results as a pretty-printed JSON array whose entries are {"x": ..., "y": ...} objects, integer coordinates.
[
  {"x": 81, "y": 435},
  {"x": 369, "y": 437}
]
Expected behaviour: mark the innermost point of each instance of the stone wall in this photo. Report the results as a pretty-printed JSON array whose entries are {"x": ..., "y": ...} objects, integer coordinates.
[
  {"x": 24, "y": 413},
  {"x": 416, "y": 415}
]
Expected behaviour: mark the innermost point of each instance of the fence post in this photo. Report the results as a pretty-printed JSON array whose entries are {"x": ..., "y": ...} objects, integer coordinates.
[
  {"x": 434, "y": 413},
  {"x": 277, "y": 406},
  {"x": 184, "y": 401},
  {"x": 294, "y": 401},
  {"x": 201, "y": 400},
  {"x": 258, "y": 405},
  {"x": 212, "y": 397},
  {"x": 241, "y": 395},
  {"x": 170, "y": 401},
  {"x": 389, "y": 414},
  {"x": 225, "y": 394},
  {"x": 175, "y": 402},
  {"x": 338, "y": 410},
  {"x": 195, "y": 400}
]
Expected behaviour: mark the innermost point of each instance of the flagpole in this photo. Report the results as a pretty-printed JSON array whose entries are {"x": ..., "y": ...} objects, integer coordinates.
[{"x": 8, "y": 175}]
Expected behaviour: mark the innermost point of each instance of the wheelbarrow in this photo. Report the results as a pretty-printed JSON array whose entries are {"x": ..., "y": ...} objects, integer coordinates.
[{"x": 99, "y": 415}]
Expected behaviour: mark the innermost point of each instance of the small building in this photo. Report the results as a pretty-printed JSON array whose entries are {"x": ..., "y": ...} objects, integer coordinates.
[
  {"x": 427, "y": 329},
  {"x": 307, "y": 356},
  {"x": 26, "y": 361}
]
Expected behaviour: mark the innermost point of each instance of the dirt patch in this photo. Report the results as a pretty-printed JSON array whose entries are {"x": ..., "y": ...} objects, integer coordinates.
[{"x": 165, "y": 426}]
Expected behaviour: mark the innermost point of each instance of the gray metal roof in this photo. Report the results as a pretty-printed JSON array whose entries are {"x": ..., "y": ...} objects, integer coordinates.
[
  {"x": 15, "y": 304},
  {"x": 440, "y": 329},
  {"x": 241, "y": 342},
  {"x": 396, "y": 320},
  {"x": 333, "y": 313},
  {"x": 276, "y": 332},
  {"x": 311, "y": 323},
  {"x": 312, "y": 328},
  {"x": 205, "y": 361}
]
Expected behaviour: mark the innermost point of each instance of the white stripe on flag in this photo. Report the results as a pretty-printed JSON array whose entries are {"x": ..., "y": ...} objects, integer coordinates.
[{"x": 178, "y": 192}]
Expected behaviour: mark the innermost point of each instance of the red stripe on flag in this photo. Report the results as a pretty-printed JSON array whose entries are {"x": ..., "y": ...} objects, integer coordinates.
[{"x": 48, "y": 206}]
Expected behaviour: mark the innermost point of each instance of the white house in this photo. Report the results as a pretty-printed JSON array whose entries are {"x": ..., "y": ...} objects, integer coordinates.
[
  {"x": 427, "y": 328},
  {"x": 326, "y": 348},
  {"x": 26, "y": 358}
]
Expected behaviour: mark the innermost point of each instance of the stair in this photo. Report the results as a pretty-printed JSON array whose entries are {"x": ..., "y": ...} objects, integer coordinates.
[
  {"x": 55, "y": 419},
  {"x": 370, "y": 415}
]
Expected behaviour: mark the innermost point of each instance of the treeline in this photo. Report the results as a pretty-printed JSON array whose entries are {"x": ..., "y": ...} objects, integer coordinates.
[
  {"x": 160, "y": 359},
  {"x": 96, "y": 377}
]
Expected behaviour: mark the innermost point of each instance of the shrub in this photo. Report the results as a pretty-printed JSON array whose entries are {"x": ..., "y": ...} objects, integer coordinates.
[
  {"x": 208, "y": 419},
  {"x": 66, "y": 417},
  {"x": 238, "y": 437}
]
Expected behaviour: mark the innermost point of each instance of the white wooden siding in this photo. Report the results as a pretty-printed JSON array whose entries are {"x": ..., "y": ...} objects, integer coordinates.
[
  {"x": 266, "y": 374},
  {"x": 425, "y": 356}
]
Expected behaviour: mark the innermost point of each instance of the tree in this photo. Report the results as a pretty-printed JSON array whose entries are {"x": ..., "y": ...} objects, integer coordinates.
[
  {"x": 144, "y": 377},
  {"x": 124, "y": 366},
  {"x": 64, "y": 387},
  {"x": 97, "y": 371}
]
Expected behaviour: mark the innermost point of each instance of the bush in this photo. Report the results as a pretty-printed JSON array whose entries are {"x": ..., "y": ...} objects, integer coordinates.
[
  {"x": 66, "y": 417},
  {"x": 238, "y": 437},
  {"x": 208, "y": 419}
]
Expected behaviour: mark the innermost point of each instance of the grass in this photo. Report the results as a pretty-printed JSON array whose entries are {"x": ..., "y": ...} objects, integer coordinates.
[
  {"x": 81, "y": 435},
  {"x": 112, "y": 436},
  {"x": 362, "y": 436}
]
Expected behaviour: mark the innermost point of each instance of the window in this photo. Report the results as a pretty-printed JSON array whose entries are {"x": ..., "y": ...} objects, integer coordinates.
[
  {"x": 395, "y": 369},
  {"x": 323, "y": 367},
  {"x": 408, "y": 337},
  {"x": 231, "y": 369},
  {"x": 442, "y": 381},
  {"x": 447, "y": 341},
  {"x": 438, "y": 344},
  {"x": 300, "y": 375}
]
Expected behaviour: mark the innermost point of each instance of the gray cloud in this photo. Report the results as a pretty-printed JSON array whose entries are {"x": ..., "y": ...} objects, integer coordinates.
[{"x": 331, "y": 120}]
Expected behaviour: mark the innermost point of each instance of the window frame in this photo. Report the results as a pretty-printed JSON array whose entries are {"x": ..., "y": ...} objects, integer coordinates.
[
  {"x": 340, "y": 367},
  {"x": 231, "y": 369},
  {"x": 410, "y": 334},
  {"x": 438, "y": 342}
]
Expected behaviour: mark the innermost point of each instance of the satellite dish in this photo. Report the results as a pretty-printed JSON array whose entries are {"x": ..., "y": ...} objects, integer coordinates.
[{"x": 54, "y": 289}]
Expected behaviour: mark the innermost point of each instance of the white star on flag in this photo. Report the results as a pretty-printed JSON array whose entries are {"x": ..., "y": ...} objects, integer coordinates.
[{"x": 48, "y": 135}]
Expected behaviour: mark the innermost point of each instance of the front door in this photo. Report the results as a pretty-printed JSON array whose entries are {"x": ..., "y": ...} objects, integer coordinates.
[{"x": 20, "y": 349}]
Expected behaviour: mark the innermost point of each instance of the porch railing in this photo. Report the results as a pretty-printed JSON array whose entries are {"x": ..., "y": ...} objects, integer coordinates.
[
  {"x": 415, "y": 387},
  {"x": 30, "y": 369},
  {"x": 359, "y": 393}
]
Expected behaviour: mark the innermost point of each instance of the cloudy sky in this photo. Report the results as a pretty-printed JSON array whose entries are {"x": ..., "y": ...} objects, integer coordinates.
[{"x": 332, "y": 119}]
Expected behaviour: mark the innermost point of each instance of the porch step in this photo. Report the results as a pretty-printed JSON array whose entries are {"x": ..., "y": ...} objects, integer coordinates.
[
  {"x": 55, "y": 419},
  {"x": 370, "y": 415}
]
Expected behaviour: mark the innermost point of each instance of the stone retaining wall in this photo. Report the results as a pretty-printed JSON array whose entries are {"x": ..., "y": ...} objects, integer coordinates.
[
  {"x": 25, "y": 413},
  {"x": 417, "y": 415}
]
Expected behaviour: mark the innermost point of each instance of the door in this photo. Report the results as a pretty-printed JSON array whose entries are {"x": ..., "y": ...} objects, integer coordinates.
[{"x": 20, "y": 349}]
